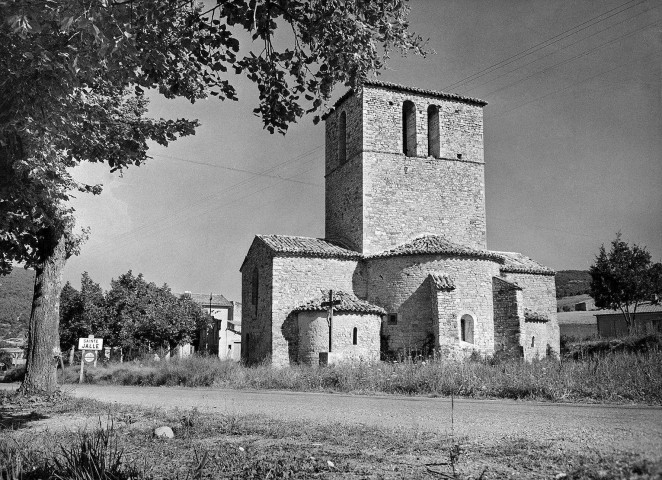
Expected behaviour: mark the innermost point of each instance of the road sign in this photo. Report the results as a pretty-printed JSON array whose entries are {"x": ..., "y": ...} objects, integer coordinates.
[
  {"x": 89, "y": 357},
  {"x": 90, "y": 343}
]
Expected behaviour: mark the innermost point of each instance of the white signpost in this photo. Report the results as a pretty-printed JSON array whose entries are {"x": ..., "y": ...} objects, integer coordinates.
[{"x": 89, "y": 347}]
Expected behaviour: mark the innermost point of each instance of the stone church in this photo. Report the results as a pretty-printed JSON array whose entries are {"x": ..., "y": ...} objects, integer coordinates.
[{"x": 405, "y": 250}]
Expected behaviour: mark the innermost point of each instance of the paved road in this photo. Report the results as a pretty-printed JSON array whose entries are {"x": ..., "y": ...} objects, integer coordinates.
[{"x": 574, "y": 426}]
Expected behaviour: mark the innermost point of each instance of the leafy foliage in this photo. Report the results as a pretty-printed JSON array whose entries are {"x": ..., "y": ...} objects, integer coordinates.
[
  {"x": 624, "y": 278},
  {"x": 15, "y": 301},
  {"x": 74, "y": 75},
  {"x": 572, "y": 282},
  {"x": 82, "y": 313}
]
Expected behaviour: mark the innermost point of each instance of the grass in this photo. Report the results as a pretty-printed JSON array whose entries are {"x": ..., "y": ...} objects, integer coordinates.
[
  {"x": 120, "y": 445},
  {"x": 623, "y": 371}
]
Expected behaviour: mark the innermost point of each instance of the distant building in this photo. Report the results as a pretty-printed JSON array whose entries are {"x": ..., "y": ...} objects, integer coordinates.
[
  {"x": 648, "y": 319},
  {"x": 224, "y": 337},
  {"x": 585, "y": 305}
]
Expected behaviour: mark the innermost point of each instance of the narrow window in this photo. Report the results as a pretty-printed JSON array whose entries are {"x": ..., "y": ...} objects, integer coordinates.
[
  {"x": 433, "y": 131},
  {"x": 392, "y": 318},
  {"x": 354, "y": 339},
  {"x": 254, "y": 288},
  {"x": 409, "y": 128},
  {"x": 533, "y": 341},
  {"x": 342, "y": 138},
  {"x": 467, "y": 328}
]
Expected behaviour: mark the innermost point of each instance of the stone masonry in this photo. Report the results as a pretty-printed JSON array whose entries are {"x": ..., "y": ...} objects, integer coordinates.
[{"x": 405, "y": 240}]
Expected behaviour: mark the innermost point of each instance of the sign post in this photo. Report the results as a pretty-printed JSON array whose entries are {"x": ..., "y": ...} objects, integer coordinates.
[{"x": 89, "y": 347}]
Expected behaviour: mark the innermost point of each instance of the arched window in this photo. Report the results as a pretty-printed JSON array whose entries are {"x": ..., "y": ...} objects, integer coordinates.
[
  {"x": 433, "y": 131},
  {"x": 342, "y": 138},
  {"x": 354, "y": 336},
  {"x": 409, "y": 128},
  {"x": 533, "y": 341},
  {"x": 254, "y": 288},
  {"x": 467, "y": 328}
]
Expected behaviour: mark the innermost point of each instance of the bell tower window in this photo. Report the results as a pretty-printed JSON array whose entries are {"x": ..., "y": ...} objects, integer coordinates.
[
  {"x": 433, "y": 131},
  {"x": 409, "y": 128}
]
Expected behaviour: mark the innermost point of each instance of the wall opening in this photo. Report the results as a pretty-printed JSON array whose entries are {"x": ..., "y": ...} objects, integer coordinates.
[
  {"x": 255, "y": 281},
  {"x": 409, "y": 128},
  {"x": 433, "y": 131},
  {"x": 354, "y": 336},
  {"x": 392, "y": 318},
  {"x": 533, "y": 341},
  {"x": 467, "y": 328},
  {"x": 342, "y": 138}
]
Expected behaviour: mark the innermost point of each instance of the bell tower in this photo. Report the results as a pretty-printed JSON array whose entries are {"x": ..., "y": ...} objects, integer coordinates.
[{"x": 402, "y": 162}]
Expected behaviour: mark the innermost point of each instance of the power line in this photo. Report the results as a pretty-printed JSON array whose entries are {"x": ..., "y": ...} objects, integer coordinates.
[
  {"x": 543, "y": 44},
  {"x": 566, "y": 88},
  {"x": 146, "y": 227},
  {"x": 557, "y": 51},
  {"x": 234, "y": 169},
  {"x": 587, "y": 52}
]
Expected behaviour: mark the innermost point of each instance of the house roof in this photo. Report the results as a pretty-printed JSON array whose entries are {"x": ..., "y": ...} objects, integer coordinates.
[
  {"x": 306, "y": 247},
  {"x": 348, "y": 303},
  {"x": 436, "y": 245},
  {"x": 441, "y": 281},
  {"x": 518, "y": 263},
  {"x": 646, "y": 307},
  {"x": 217, "y": 300}
]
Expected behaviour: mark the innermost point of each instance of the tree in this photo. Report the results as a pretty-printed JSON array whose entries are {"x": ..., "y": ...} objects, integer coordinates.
[
  {"x": 624, "y": 278},
  {"x": 142, "y": 316},
  {"x": 72, "y": 80},
  {"x": 81, "y": 313}
]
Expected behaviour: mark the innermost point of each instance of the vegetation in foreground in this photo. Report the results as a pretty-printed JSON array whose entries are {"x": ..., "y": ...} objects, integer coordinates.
[
  {"x": 120, "y": 444},
  {"x": 615, "y": 371}
]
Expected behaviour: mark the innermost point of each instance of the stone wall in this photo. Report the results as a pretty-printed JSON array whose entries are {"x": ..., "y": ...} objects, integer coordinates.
[
  {"x": 444, "y": 318},
  {"x": 508, "y": 315},
  {"x": 297, "y": 280},
  {"x": 381, "y": 198},
  {"x": 405, "y": 197},
  {"x": 344, "y": 182},
  {"x": 314, "y": 336},
  {"x": 256, "y": 318},
  {"x": 538, "y": 295},
  {"x": 399, "y": 285}
]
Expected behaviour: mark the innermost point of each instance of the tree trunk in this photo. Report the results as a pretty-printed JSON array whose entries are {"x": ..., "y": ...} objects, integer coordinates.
[
  {"x": 43, "y": 334},
  {"x": 72, "y": 352}
]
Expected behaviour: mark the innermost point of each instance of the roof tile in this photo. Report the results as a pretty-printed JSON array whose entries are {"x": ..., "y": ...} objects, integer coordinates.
[
  {"x": 436, "y": 244},
  {"x": 307, "y": 246},
  {"x": 348, "y": 303}
]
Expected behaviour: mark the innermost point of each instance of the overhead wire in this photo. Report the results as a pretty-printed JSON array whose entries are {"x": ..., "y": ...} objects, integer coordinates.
[
  {"x": 543, "y": 44},
  {"x": 583, "y": 54},
  {"x": 555, "y": 52}
]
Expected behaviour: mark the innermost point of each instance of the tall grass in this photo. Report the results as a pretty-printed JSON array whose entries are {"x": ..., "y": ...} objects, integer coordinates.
[{"x": 622, "y": 376}]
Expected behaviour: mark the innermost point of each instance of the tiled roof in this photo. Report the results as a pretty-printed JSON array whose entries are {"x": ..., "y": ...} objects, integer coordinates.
[
  {"x": 436, "y": 245},
  {"x": 441, "y": 281},
  {"x": 511, "y": 285},
  {"x": 404, "y": 88},
  {"x": 306, "y": 247},
  {"x": 217, "y": 300},
  {"x": 531, "y": 316},
  {"x": 518, "y": 263},
  {"x": 348, "y": 303}
]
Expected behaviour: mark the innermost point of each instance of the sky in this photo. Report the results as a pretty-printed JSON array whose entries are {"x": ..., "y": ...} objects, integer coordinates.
[{"x": 573, "y": 149}]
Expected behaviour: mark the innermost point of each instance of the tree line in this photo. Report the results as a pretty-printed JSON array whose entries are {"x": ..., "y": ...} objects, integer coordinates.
[{"x": 133, "y": 317}]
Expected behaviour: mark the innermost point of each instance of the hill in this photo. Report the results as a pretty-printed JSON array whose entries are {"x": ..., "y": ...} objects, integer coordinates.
[
  {"x": 15, "y": 302},
  {"x": 572, "y": 282}
]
